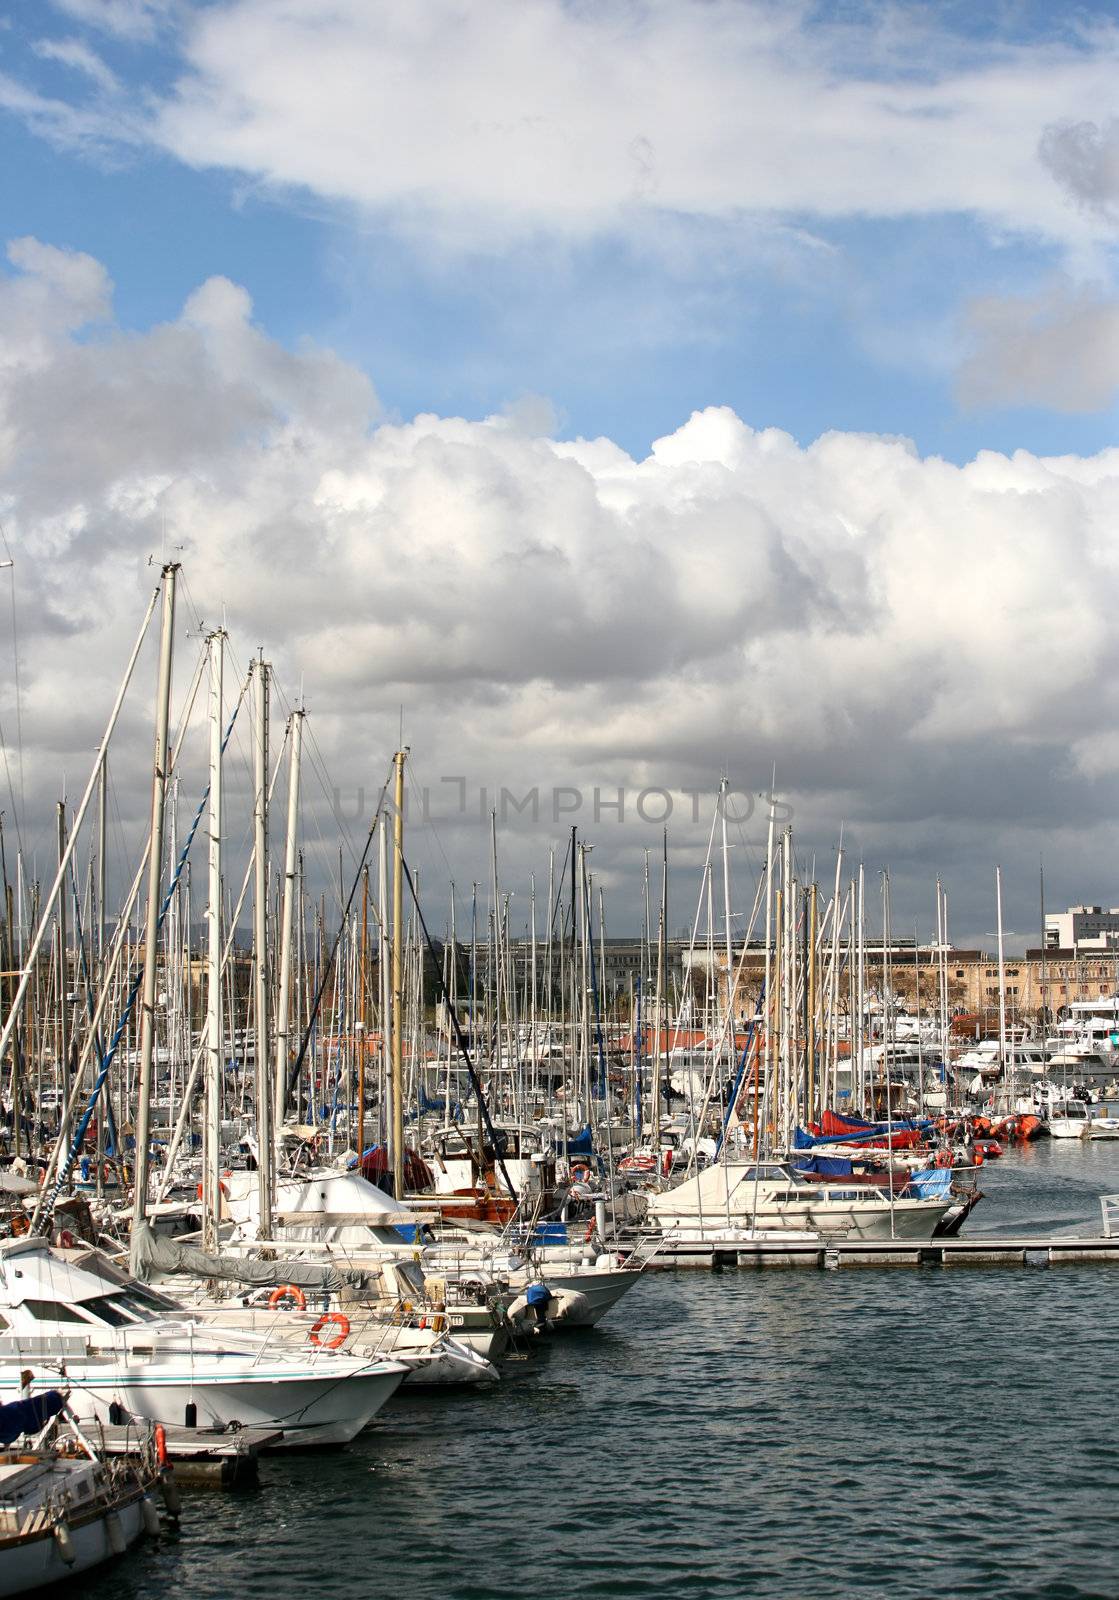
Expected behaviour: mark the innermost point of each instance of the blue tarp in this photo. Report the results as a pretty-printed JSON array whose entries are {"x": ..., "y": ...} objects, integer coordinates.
[
  {"x": 28, "y": 1416},
  {"x": 580, "y": 1145},
  {"x": 827, "y": 1166},
  {"x": 932, "y": 1183}
]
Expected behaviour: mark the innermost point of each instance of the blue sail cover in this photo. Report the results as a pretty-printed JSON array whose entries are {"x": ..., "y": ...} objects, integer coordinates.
[
  {"x": 581, "y": 1144},
  {"x": 28, "y": 1416}
]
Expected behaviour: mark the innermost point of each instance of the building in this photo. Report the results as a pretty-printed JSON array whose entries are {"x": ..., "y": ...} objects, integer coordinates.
[{"x": 1083, "y": 928}]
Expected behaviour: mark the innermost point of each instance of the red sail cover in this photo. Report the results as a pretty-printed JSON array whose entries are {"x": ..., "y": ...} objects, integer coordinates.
[{"x": 833, "y": 1126}]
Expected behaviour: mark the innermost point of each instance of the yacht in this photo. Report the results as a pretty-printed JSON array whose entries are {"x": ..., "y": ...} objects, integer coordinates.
[
  {"x": 771, "y": 1195},
  {"x": 126, "y": 1350}
]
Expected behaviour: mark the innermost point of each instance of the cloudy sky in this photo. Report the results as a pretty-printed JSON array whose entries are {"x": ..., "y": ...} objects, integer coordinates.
[{"x": 631, "y": 391}]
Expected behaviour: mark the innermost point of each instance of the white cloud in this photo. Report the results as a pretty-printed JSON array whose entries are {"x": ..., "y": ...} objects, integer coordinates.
[
  {"x": 505, "y": 118},
  {"x": 125, "y": 19},
  {"x": 74, "y": 53},
  {"x": 919, "y": 645}
]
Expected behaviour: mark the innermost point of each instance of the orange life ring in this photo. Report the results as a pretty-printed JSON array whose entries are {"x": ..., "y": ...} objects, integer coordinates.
[
  {"x": 287, "y": 1292},
  {"x": 342, "y": 1323}
]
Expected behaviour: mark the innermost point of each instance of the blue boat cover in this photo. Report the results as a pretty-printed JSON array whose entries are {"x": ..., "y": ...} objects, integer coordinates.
[
  {"x": 28, "y": 1416},
  {"x": 581, "y": 1144},
  {"x": 932, "y": 1183},
  {"x": 827, "y": 1166}
]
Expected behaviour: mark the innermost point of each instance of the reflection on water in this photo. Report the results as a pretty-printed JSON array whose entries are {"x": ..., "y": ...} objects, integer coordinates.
[{"x": 885, "y": 1433}]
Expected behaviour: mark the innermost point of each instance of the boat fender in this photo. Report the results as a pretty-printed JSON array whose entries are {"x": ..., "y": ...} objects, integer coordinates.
[
  {"x": 118, "y": 1544},
  {"x": 568, "y": 1303},
  {"x": 151, "y": 1517},
  {"x": 172, "y": 1499},
  {"x": 288, "y": 1295},
  {"x": 337, "y": 1340},
  {"x": 161, "y": 1444},
  {"x": 65, "y": 1543}
]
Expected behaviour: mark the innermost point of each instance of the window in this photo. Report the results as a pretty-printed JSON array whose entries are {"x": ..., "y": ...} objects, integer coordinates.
[
  {"x": 51, "y": 1311},
  {"x": 149, "y": 1298},
  {"x": 104, "y": 1309}
]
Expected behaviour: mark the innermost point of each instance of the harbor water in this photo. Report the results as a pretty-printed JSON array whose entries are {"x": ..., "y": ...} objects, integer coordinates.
[{"x": 890, "y": 1432}]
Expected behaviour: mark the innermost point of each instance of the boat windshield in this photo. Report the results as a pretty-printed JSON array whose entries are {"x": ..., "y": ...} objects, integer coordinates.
[{"x": 118, "y": 1310}]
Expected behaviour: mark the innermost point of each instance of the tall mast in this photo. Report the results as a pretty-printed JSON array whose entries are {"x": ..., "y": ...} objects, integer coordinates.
[
  {"x": 155, "y": 889},
  {"x": 1002, "y": 973},
  {"x": 215, "y": 1052},
  {"x": 726, "y": 918},
  {"x": 662, "y": 1008},
  {"x": 397, "y": 1142},
  {"x": 63, "y": 991},
  {"x": 102, "y": 841},
  {"x": 363, "y": 1013},
  {"x": 262, "y": 1055},
  {"x": 287, "y": 917}
]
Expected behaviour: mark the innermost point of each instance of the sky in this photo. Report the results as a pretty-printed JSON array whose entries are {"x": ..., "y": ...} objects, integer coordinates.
[{"x": 632, "y": 393}]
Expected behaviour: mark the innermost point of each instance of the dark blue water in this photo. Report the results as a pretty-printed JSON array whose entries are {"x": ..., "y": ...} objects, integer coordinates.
[{"x": 887, "y": 1433}]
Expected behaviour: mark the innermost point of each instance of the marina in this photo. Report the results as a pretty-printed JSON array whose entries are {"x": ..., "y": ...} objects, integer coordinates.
[
  {"x": 559, "y": 935},
  {"x": 280, "y": 1216},
  {"x": 783, "y": 1412}
]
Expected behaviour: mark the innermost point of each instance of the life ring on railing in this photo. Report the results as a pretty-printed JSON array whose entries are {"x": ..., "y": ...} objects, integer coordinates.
[
  {"x": 589, "y": 1235},
  {"x": 580, "y": 1172},
  {"x": 288, "y": 1295},
  {"x": 341, "y": 1321},
  {"x": 223, "y": 1189},
  {"x": 20, "y": 1225},
  {"x": 944, "y": 1158}
]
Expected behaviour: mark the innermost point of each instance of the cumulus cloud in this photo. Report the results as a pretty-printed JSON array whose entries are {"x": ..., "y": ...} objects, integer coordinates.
[
  {"x": 919, "y": 645},
  {"x": 1058, "y": 349}
]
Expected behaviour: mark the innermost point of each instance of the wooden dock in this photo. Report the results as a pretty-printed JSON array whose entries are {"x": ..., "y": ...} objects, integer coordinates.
[
  {"x": 833, "y": 1254},
  {"x": 211, "y": 1457}
]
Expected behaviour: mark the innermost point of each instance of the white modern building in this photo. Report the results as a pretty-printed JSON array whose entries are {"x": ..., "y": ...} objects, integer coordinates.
[{"x": 1083, "y": 928}]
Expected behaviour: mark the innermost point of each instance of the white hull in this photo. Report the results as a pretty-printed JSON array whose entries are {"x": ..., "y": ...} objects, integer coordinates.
[
  {"x": 601, "y": 1290},
  {"x": 316, "y": 1409},
  {"x": 35, "y": 1562}
]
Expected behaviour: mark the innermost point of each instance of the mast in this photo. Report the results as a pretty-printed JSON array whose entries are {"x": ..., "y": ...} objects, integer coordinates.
[
  {"x": 662, "y": 1008},
  {"x": 363, "y": 1013},
  {"x": 727, "y": 929},
  {"x": 63, "y": 992},
  {"x": 155, "y": 885},
  {"x": 397, "y": 1141},
  {"x": 262, "y": 1055},
  {"x": 1002, "y": 974},
  {"x": 102, "y": 840},
  {"x": 215, "y": 1018},
  {"x": 287, "y": 915}
]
